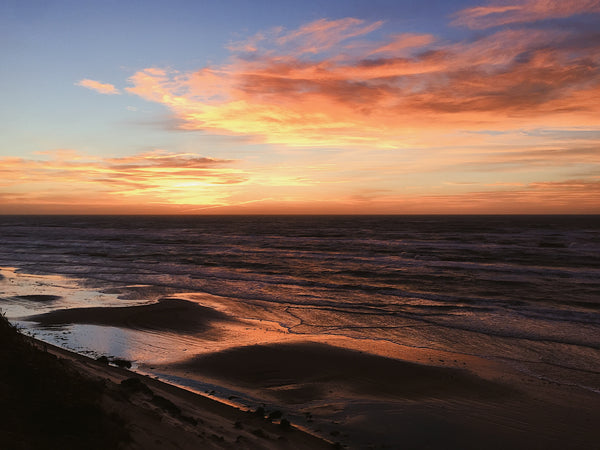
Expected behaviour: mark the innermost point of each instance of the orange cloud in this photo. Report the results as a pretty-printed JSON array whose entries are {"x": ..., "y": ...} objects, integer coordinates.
[
  {"x": 348, "y": 182},
  {"x": 287, "y": 87},
  {"x": 498, "y": 13},
  {"x": 156, "y": 177},
  {"x": 102, "y": 88}
]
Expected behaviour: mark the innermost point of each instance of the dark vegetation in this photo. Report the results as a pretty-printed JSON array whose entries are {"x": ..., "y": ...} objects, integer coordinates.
[
  {"x": 260, "y": 412},
  {"x": 122, "y": 363},
  {"x": 46, "y": 405},
  {"x": 125, "y": 364},
  {"x": 166, "y": 405},
  {"x": 133, "y": 386}
]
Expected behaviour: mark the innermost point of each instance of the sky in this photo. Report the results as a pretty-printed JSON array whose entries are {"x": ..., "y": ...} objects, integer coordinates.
[{"x": 288, "y": 107}]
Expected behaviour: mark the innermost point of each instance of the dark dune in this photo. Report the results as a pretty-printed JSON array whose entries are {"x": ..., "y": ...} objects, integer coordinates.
[
  {"x": 307, "y": 369},
  {"x": 39, "y": 298},
  {"x": 174, "y": 315}
]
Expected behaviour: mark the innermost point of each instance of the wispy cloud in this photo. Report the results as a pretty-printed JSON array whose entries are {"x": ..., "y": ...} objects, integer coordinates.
[
  {"x": 160, "y": 181},
  {"x": 404, "y": 41},
  {"x": 154, "y": 177},
  {"x": 497, "y": 13},
  {"x": 572, "y": 196},
  {"x": 312, "y": 38},
  {"x": 326, "y": 84},
  {"x": 102, "y": 88}
]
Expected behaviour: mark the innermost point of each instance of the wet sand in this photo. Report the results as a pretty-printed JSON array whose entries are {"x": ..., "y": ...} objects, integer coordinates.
[
  {"x": 300, "y": 372},
  {"x": 359, "y": 399},
  {"x": 368, "y": 401}
]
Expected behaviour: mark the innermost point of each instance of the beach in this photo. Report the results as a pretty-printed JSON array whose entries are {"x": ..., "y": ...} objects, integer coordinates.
[
  {"x": 359, "y": 400},
  {"x": 357, "y": 225},
  {"x": 388, "y": 333},
  {"x": 147, "y": 413},
  {"x": 376, "y": 402}
]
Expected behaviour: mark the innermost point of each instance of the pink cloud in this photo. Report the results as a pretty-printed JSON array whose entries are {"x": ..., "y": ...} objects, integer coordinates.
[
  {"x": 312, "y": 38},
  {"x": 498, "y": 13},
  {"x": 102, "y": 88},
  {"x": 404, "y": 41},
  {"x": 324, "y": 34}
]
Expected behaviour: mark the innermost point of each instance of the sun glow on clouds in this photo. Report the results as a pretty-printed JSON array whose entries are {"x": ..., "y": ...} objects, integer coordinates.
[
  {"x": 325, "y": 84},
  {"x": 155, "y": 177},
  {"x": 506, "y": 119},
  {"x": 64, "y": 180}
]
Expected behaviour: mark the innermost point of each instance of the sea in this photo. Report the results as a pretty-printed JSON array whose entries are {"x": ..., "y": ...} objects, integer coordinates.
[{"x": 520, "y": 290}]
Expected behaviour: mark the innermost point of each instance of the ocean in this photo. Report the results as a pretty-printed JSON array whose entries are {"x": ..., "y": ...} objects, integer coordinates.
[{"x": 520, "y": 290}]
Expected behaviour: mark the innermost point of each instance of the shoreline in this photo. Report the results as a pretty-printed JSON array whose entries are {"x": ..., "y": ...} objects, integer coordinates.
[
  {"x": 462, "y": 411},
  {"x": 334, "y": 387},
  {"x": 159, "y": 415},
  {"x": 424, "y": 402}
]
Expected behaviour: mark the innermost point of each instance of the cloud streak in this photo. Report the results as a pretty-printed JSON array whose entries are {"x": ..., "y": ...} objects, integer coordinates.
[
  {"x": 159, "y": 181},
  {"x": 102, "y": 88},
  {"x": 497, "y": 13},
  {"x": 155, "y": 177}
]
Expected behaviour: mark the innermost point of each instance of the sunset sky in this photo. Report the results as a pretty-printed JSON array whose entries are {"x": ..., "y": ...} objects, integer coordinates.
[{"x": 360, "y": 107}]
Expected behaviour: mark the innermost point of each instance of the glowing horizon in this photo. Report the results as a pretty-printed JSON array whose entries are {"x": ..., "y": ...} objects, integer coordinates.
[{"x": 490, "y": 108}]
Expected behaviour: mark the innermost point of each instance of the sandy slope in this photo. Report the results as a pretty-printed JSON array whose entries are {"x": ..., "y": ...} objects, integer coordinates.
[
  {"x": 155, "y": 415},
  {"x": 362, "y": 400},
  {"x": 161, "y": 416}
]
